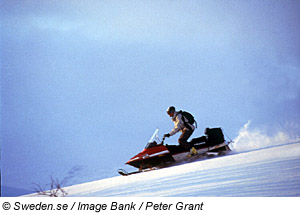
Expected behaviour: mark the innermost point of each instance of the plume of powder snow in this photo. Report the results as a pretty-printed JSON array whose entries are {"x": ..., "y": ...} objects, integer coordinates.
[{"x": 255, "y": 138}]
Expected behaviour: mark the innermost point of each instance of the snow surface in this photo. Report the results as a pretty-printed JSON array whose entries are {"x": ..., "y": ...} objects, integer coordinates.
[{"x": 268, "y": 172}]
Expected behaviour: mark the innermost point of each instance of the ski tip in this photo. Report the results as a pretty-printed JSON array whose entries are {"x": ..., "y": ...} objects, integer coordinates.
[{"x": 123, "y": 172}]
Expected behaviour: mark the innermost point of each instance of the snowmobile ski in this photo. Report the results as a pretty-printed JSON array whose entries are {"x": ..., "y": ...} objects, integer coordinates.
[{"x": 123, "y": 172}]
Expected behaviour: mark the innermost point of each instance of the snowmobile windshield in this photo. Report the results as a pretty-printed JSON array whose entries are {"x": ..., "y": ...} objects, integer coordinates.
[
  {"x": 154, "y": 136},
  {"x": 153, "y": 140}
]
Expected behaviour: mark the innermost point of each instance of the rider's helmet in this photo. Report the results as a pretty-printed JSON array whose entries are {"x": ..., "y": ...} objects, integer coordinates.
[{"x": 171, "y": 109}]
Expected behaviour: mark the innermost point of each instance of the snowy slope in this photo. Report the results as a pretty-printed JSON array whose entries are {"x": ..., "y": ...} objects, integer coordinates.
[{"x": 274, "y": 171}]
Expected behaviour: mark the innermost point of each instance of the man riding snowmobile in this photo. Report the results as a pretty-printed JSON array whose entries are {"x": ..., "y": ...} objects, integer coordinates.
[{"x": 183, "y": 122}]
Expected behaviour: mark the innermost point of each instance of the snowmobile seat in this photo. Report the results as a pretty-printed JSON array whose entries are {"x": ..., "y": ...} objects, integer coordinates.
[{"x": 174, "y": 149}]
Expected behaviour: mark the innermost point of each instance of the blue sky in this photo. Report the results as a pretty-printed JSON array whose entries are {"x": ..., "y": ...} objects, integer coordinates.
[{"x": 85, "y": 83}]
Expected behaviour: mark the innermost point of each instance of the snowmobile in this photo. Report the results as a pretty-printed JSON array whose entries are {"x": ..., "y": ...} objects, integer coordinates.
[{"x": 157, "y": 155}]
